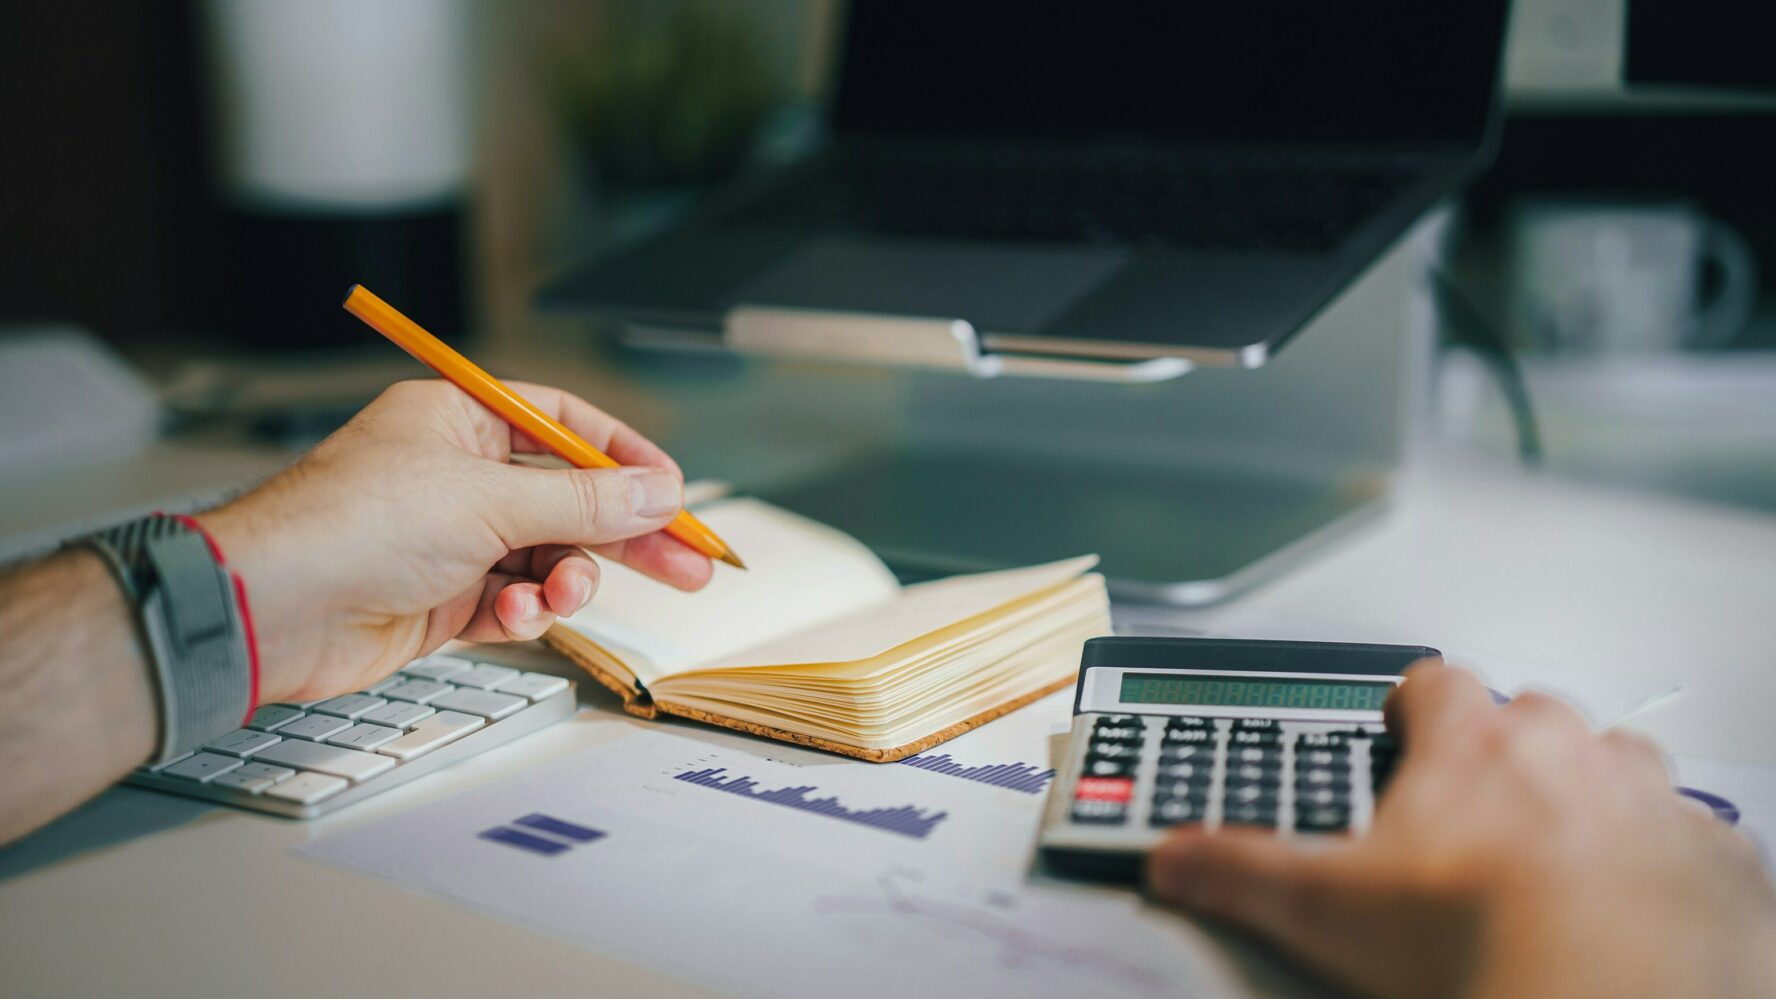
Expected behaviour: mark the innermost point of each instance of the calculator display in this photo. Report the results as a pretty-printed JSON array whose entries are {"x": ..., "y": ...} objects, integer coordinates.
[{"x": 1254, "y": 691}]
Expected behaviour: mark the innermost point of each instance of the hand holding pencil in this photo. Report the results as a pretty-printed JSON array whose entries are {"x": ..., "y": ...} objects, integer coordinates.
[{"x": 513, "y": 408}]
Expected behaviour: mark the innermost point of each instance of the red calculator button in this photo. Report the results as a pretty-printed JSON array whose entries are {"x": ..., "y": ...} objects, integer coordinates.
[{"x": 1104, "y": 789}]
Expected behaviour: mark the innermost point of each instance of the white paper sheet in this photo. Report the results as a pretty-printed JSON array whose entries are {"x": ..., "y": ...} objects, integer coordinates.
[{"x": 758, "y": 899}]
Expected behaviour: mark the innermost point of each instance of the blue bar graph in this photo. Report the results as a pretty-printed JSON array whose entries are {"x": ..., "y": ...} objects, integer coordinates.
[
  {"x": 523, "y": 841},
  {"x": 906, "y": 820},
  {"x": 1016, "y": 776}
]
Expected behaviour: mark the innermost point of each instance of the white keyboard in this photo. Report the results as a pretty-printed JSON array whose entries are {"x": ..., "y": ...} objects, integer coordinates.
[{"x": 304, "y": 760}]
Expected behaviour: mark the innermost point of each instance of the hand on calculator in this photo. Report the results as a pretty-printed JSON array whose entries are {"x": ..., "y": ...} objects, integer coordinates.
[{"x": 1514, "y": 853}]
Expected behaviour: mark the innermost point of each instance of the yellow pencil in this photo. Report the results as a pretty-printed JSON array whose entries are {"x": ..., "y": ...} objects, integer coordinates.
[{"x": 513, "y": 408}]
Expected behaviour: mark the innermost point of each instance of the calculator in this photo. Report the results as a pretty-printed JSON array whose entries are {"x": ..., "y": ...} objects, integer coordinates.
[{"x": 1221, "y": 732}]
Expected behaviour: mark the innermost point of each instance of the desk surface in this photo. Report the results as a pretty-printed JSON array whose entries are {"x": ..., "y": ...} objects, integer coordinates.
[{"x": 1476, "y": 557}]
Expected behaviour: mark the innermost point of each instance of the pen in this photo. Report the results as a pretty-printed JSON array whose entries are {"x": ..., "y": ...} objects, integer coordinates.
[{"x": 513, "y": 408}]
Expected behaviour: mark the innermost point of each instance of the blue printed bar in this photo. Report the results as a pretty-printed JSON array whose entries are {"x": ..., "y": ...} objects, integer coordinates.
[
  {"x": 905, "y": 820},
  {"x": 559, "y": 827},
  {"x": 523, "y": 840},
  {"x": 1016, "y": 776}
]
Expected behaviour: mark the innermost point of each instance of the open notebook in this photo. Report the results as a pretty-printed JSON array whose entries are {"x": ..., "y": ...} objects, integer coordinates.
[{"x": 818, "y": 644}]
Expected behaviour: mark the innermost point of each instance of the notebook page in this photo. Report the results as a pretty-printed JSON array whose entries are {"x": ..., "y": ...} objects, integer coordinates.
[
  {"x": 920, "y": 610},
  {"x": 799, "y": 573}
]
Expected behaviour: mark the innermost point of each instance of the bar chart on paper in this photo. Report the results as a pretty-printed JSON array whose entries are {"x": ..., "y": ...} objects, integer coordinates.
[
  {"x": 1018, "y": 776},
  {"x": 906, "y": 820}
]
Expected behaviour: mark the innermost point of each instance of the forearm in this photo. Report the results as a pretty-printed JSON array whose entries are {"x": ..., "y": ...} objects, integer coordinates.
[{"x": 77, "y": 707}]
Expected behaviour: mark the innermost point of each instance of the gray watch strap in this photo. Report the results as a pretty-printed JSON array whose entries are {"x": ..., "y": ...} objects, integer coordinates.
[{"x": 190, "y": 624}]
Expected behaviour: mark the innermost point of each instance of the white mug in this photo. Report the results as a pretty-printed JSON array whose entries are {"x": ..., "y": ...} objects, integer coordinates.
[{"x": 1619, "y": 278}]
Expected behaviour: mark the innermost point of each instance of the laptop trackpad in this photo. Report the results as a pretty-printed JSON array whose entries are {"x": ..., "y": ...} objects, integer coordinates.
[{"x": 998, "y": 289}]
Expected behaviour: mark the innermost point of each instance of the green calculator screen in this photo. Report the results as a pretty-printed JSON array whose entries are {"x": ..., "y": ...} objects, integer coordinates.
[{"x": 1253, "y": 691}]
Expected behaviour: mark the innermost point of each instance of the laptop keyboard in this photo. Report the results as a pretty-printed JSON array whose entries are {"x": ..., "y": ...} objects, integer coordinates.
[
  {"x": 1234, "y": 207},
  {"x": 303, "y": 760}
]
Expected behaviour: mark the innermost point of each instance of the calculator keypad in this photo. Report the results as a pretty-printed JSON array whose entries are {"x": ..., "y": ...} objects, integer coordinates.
[{"x": 1157, "y": 772}]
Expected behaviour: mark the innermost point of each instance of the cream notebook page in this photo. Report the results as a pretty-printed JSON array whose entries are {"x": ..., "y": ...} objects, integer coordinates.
[{"x": 800, "y": 573}]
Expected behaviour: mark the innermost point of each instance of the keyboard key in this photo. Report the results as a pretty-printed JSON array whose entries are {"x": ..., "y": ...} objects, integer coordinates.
[
  {"x": 1186, "y": 771},
  {"x": 1254, "y": 774},
  {"x": 243, "y": 742},
  {"x": 1261, "y": 755},
  {"x": 486, "y": 676},
  {"x": 265, "y": 770},
  {"x": 350, "y": 706},
  {"x": 398, "y": 714},
  {"x": 441, "y": 728},
  {"x": 1320, "y": 796},
  {"x": 268, "y": 718},
  {"x": 307, "y": 789},
  {"x": 1257, "y": 725},
  {"x": 394, "y": 680},
  {"x": 162, "y": 765},
  {"x": 348, "y": 763},
  {"x": 1182, "y": 724},
  {"x": 1242, "y": 739},
  {"x": 238, "y": 781},
  {"x": 365, "y": 737},
  {"x": 480, "y": 702},
  {"x": 437, "y": 667},
  {"x": 417, "y": 691},
  {"x": 1329, "y": 740},
  {"x": 535, "y": 686},
  {"x": 314, "y": 728},
  {"x": 202, "y": 767}
]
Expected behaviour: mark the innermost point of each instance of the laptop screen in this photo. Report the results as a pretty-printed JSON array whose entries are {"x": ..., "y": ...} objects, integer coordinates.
[{"x": 1263, "y": 71}]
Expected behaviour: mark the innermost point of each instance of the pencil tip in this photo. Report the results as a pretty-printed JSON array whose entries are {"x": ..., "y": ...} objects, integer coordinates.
[
  {"x": 733, "y": 560},
  {"x": 349, "y": 292}
]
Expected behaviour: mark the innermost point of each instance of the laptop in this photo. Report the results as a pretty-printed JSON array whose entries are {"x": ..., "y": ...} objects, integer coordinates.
[{"x": 1111, "y": 181}]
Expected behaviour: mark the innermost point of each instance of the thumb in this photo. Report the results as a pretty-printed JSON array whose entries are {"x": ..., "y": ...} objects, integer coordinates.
[
  {"x": 582, "y": 506},
  {"x": 1256, "y": 879}
]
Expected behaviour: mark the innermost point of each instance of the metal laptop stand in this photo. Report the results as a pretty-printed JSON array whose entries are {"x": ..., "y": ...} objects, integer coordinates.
[{"x": 1192, "y": 484}]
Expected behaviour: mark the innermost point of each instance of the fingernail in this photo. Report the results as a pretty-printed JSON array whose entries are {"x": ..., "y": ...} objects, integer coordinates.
[
  {"x": 582, "y": 592},
  {"x": 529, "y": 607},
  {"x": 653, "y": 492}
]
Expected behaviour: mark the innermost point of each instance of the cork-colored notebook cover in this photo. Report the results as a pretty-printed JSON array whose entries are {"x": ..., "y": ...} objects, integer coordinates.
[{"x": 641, "y": 706}]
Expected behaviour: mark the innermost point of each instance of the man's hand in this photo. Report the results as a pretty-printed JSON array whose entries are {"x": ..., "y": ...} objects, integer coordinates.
[
  {"x": 408, "y": 528},
  {"x": 1515, "y": 853}
]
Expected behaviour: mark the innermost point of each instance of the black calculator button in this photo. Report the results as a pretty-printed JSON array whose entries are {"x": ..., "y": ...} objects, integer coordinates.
[
  {"x": 1249, "y": 738},
  {"x": 1250, "y": 794},
  {"x": 1187, "y": 736},
  {"x": 1382, "y": 742},
  {"x": 1134, "y": 720},
  {"x": 1110, "y": 768},
  {"x": 1112, "y": 750},
  {"x": 1100, "y": 812},
  {"x": 1117, "y": 733},
  {"x": 1322, "y": 818},
  {"x": 1177, "y": 811},
  {"x": 1194, "y": 790},
  {"x": 1255, "y": 754},
  {"x": 1249, "y": 815},
  {"x": 1201, "y": 752},
  {"x": 1321, "y": 757},
  {"x": 1321, "y": 797},
  {"x": 1254, "y": 773},
  {"x": 1256, "y": 725},
  {"x": 1183, "y": 724},
  {"x": 1329, "y": 740},
  {"x": 1186, "y": 771}
]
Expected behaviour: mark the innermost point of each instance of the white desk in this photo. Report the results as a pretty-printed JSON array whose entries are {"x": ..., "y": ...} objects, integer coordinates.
[{"x": 1471, "y": 558}]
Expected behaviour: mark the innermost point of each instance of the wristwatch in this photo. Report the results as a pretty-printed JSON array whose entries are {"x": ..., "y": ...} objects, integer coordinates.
[{"x": 192, "y": 617}]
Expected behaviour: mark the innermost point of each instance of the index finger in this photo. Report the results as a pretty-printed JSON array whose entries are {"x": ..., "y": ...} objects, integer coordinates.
[
  {"x": 1434, "y": 698},
  {"x": 600, "y": 429}
]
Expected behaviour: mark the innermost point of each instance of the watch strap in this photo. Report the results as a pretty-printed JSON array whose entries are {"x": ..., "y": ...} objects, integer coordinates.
[{"x": 190, "y": 615}]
